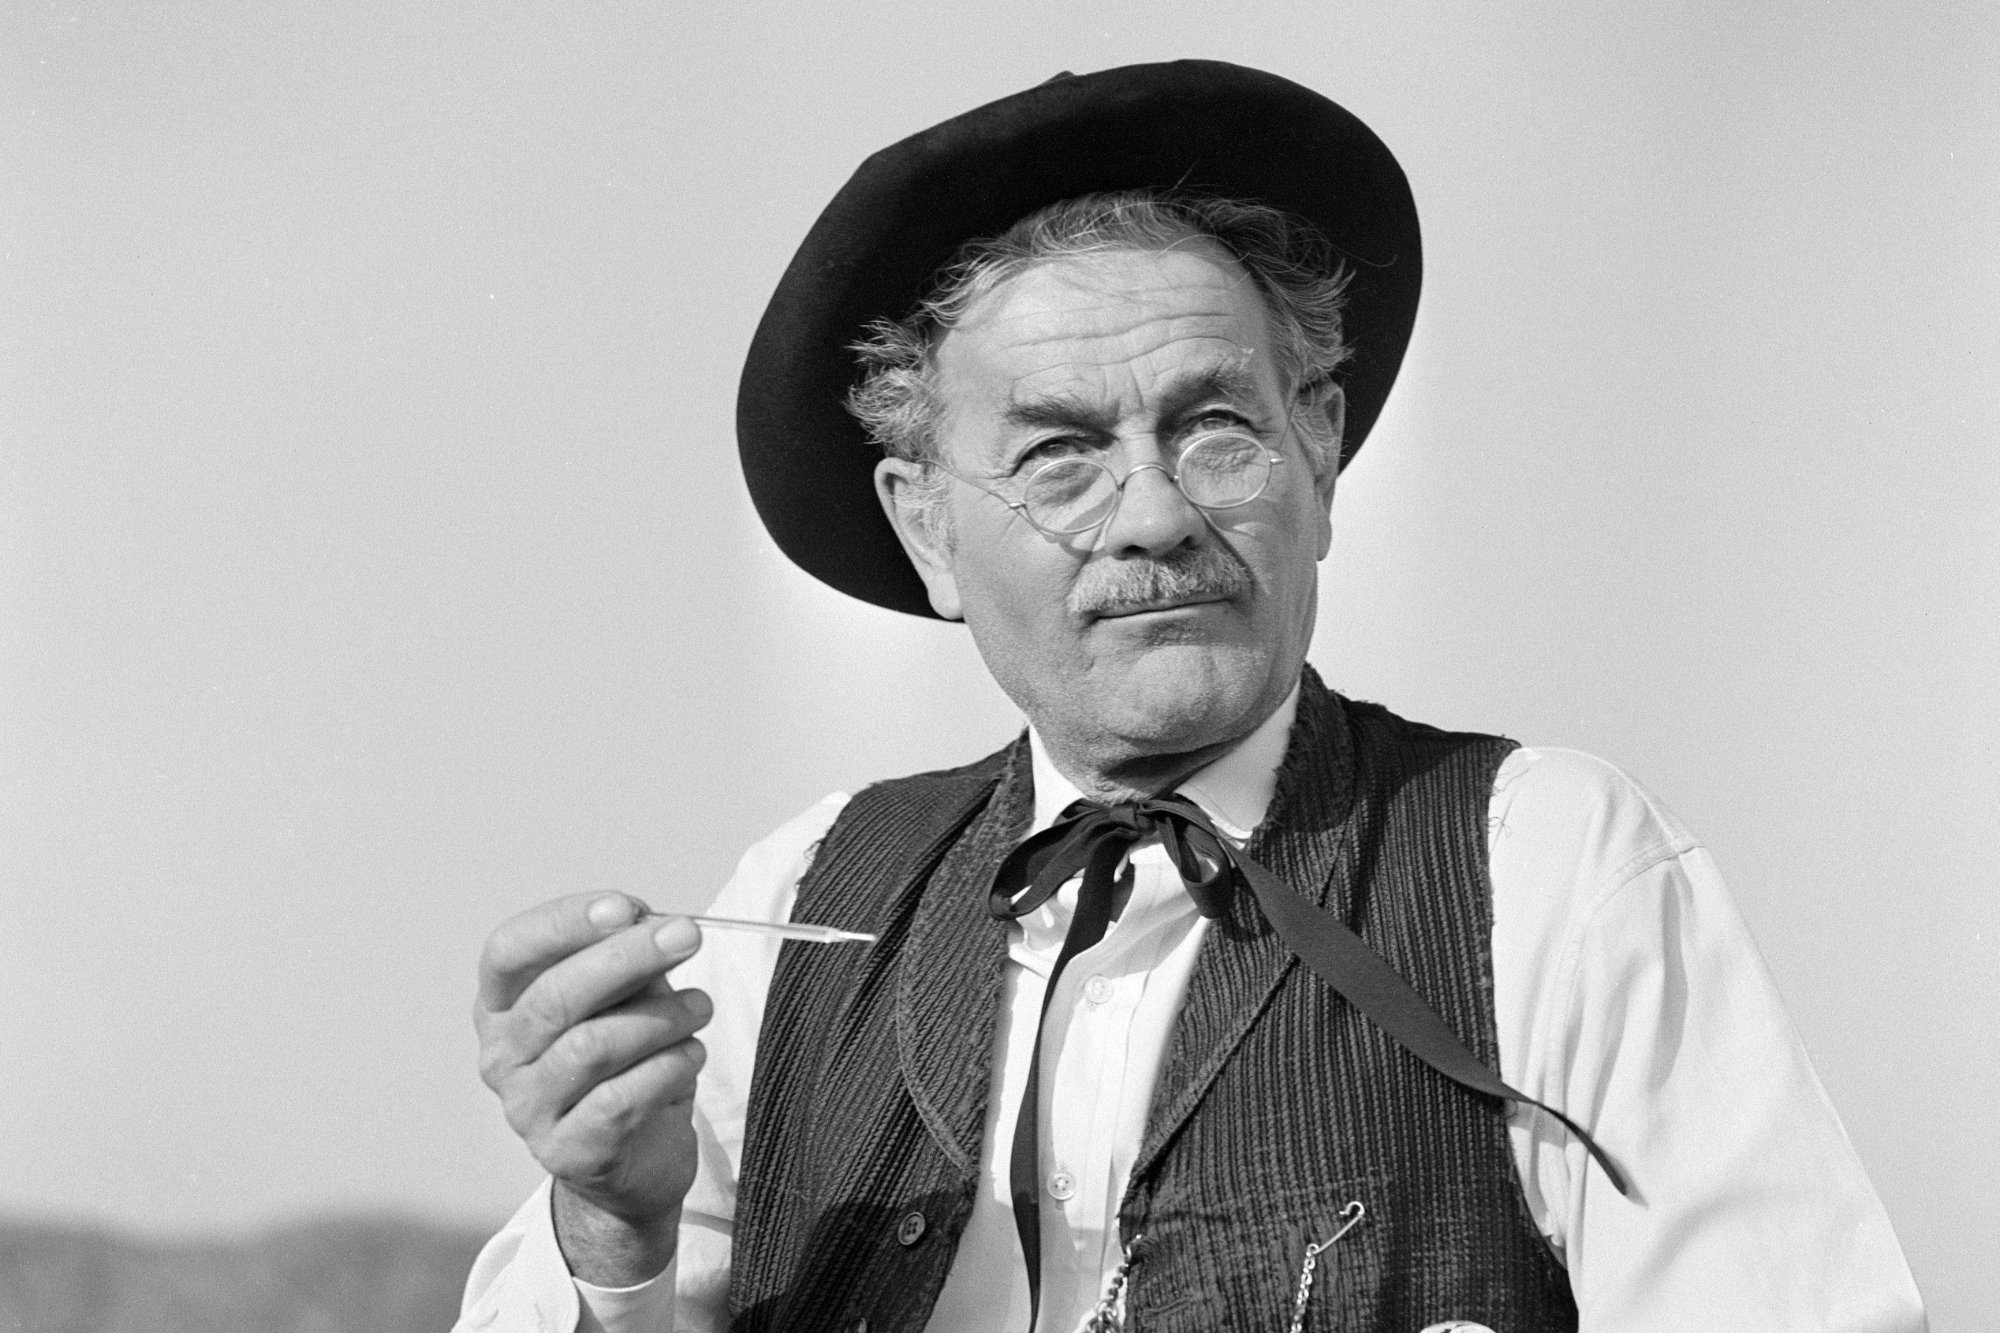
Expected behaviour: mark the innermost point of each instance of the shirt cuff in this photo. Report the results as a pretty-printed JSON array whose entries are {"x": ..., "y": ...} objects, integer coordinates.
[{"x": 646, "y": 1307}]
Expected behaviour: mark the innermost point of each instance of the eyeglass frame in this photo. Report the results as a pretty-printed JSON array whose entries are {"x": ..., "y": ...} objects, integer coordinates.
[{"x": 1271, "y": 456}]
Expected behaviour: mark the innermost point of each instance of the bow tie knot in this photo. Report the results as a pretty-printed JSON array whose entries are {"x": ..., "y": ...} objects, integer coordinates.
[{"x": 1091, "y": 835}]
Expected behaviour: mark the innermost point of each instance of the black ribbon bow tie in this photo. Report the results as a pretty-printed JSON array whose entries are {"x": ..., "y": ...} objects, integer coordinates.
[{"x": 1090, "y": 832}]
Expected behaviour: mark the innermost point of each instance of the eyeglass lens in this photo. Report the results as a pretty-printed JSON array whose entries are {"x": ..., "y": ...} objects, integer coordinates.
[{"x": 1215, "y": 472}]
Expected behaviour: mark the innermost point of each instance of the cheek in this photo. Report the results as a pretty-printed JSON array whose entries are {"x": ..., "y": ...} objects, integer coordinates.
[
  {"x": 1023, "y": 636},
  {"x": 1026, "y": 611},
  {"x": 1282, "y": 548},
  {"x": 1285, "y": 561},
  {"x": 1015, "y": 591},
  {"x": 1299, "y": 540}
]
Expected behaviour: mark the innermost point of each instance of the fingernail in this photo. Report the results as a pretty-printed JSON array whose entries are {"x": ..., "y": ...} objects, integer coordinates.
[
  {"x": 611, "y": 912},
  {"x": 677, "y": 937}
]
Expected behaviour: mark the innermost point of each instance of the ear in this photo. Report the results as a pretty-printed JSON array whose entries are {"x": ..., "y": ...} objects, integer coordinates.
[
  {"x": 1328, "y": 403},
  {"x": 927, "y": 549}
]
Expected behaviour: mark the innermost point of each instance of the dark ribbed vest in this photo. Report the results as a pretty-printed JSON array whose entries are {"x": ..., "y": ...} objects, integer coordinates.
[{"x": 1277, "y": 1104}]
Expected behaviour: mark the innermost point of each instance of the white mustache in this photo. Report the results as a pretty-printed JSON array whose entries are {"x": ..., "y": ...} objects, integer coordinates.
[{"x": 1113, "y": 586}]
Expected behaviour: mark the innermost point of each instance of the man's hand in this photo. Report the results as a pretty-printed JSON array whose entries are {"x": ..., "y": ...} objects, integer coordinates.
[{"x": 594, "y": 1058}]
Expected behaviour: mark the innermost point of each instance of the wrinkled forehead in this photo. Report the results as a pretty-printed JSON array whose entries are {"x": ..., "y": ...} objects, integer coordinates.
[{"x": 1110, "y": 317}]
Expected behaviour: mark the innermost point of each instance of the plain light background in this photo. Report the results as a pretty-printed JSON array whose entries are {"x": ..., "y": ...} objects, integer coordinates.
[{"x": 373, "y": 562}]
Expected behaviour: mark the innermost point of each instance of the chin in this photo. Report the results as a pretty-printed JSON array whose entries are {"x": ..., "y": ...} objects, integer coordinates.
[{"x": 1172, "y": 701}]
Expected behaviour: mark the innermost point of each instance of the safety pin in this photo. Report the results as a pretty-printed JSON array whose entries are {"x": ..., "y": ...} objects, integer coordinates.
[{"x": 1350, "y": 1217}]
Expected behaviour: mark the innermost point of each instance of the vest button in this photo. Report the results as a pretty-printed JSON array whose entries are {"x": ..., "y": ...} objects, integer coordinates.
[
  {"x": 911, "y": 1229},
  {"x": 1097, "y": 990},
  {"x": 1062, "y": 1185}
]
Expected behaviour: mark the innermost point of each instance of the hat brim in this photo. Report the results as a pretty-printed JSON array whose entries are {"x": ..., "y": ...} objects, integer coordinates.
[{"x": 1198, "y": 126}]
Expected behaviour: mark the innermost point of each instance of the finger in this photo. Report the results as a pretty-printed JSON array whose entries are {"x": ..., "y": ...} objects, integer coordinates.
[
  {"x": 525, "y": 945},
  {"x": 604, "y": 1047},
  {"x": 591, "y": 980},
  {"x": 596, "y": 1137}
]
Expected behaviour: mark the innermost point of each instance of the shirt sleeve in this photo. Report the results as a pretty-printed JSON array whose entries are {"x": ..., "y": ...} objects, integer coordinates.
[
  {"x": 1629, "y": 993},
  {"x": 520, "y": 1282}
]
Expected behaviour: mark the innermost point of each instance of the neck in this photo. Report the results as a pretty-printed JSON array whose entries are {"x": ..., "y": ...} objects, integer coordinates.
[{"x": 1133, "y": 777}]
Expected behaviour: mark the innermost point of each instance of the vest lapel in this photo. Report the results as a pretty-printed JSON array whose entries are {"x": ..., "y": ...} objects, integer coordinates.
[
  {"x": 949, "y": 982},
  {"x": 1304, "y": 841}
]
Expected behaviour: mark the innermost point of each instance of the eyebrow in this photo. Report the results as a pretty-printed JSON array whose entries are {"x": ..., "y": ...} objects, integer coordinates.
[{"x": 1231, "y": 380}]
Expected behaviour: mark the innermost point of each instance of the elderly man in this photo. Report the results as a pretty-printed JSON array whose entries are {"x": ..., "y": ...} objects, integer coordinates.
[{"x": 1216, "y": 1001}]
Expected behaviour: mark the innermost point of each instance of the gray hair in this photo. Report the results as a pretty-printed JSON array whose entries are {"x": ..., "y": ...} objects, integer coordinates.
[{"x": 1302, "y": 284}]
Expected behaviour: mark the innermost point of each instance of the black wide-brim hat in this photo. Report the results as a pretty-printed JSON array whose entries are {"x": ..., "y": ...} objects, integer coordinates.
[{"x": 1193, "y": 126}]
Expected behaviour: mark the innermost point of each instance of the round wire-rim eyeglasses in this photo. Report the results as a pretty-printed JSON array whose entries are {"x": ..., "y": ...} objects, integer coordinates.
[{"x": 1066, "y": 496}]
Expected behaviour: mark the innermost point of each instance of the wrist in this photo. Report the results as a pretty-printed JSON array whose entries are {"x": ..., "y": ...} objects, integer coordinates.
[{"x": 607, "y": 1249}]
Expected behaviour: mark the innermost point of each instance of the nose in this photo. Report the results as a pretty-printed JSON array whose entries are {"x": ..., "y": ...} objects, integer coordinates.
[{"x": 1152, "y": 517}]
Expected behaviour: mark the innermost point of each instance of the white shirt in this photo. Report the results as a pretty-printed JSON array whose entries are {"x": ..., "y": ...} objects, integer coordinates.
[{"x": 1626, "y": 991}]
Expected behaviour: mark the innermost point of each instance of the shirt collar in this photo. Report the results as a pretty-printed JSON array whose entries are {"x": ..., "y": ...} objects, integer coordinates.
[{"x": 1234, "y": 789}]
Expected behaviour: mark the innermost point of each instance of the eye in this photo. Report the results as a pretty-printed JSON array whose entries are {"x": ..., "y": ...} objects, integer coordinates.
[
  {"x": 1217, "y": 419},
  {"x": 1050, "y": 449}
]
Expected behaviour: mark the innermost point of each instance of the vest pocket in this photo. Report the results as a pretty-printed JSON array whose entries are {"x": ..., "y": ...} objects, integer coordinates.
[{"x": 1238, "y": 1268}]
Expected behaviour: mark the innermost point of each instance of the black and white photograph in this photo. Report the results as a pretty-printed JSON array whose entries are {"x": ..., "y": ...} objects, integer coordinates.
[{"x": 1045, "y": 668}]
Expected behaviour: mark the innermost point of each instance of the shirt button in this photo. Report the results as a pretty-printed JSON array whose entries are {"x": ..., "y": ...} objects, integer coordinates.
[
  {"x": 1097, "y": 990},
  {"x": 911, "y": 1229},
  {"x": 1062, "y": 1185}
]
